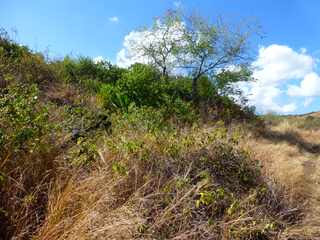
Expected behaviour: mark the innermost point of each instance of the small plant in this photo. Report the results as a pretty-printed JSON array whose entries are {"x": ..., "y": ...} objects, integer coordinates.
[
  {"x": 120, "y": 169},
  {"x": 209, "y": 197},
  {"x": 84, "y": 153}
]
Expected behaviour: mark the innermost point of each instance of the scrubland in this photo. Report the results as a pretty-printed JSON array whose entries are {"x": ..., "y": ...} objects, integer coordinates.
[{"x": 93, "y": 151}]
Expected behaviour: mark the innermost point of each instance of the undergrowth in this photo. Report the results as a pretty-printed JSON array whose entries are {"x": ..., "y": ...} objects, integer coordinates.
[{"x": 178, "y": 182}]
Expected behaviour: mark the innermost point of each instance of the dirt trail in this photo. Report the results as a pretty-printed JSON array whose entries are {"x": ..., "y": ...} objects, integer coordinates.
[
  {"x": 311, "y": 169},
  {"x": 291, "y": 158}
]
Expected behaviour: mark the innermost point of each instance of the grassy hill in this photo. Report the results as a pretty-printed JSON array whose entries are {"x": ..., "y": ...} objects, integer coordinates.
[{"x": 93, "y": 151}]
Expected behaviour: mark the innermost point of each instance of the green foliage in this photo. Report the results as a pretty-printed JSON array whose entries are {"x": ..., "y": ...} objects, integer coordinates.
[
  {"x": 182, "y": 110},
  {"x": 142, "y": 86},
  {"x": 180, "y": 86},
  {"x": 187, "y": 177},
  {"x": 119, "y": 169},
  {"x": 86, "y": 72},
  {"x": 26, "y": 157},
  {"x": 84, "y": 152},
  {"x": 146, "y": 119},
  {"x": 20, "y": 63},
  {"x": 206, "y": 89},
  {"x": 22, "y": 120},
  {"x": 225, "y": 80},
  {"x": 207, "y": 198},
  {"x": 183, "y": 178}
]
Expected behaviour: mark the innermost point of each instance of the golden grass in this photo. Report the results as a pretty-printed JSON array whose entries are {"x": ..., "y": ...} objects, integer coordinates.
[
  {"x": 145, "y": 185},
  {"x": 82, "y": 210},
  {"x": 155, "y": 199},
  {"x": 289, "y": 161}
]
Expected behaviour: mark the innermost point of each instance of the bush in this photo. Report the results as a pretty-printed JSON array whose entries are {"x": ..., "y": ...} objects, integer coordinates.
[
  {"x": 22, "y": 121},
  {"x": 19, "y": 63},
  {"x": 25, "y": 159},
  {"x": 85, "y": 72},
  {"x": 142, "y": 86},
  {"x": 184, "y": 182},
  {"x": 310, "y": 123}
]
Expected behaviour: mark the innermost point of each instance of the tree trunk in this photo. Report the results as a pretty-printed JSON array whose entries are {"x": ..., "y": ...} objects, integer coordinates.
[
  {"x": 195, "y": 97},
  {"x": 3, "y": 82},
  {"x": 165, "y": 75},
  {"x": 164, "y": 71}
]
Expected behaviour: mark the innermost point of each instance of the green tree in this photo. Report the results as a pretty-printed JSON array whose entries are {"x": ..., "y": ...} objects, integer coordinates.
[
  {"x": 159, "y": 44},
  {"x": 210, "y": 49},
  {"x": 194, "y": 46}
]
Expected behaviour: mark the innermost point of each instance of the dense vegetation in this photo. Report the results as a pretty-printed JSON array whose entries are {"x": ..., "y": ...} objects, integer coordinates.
[{"x": 98, "y": 151}]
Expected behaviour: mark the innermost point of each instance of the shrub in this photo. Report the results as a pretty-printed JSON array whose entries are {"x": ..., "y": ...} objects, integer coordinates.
[
  {"x": 85, "y": 72},
  {"x": 310, "y": 123},
  {"x": 186, "y": 182},
  {"x": 143, "y": 86},
  {"x": 25, "y": 159},
  {"x": 181, "y": 87},
  {"x": 22, "y": 121},
  {"x": 19, "y": 63}
]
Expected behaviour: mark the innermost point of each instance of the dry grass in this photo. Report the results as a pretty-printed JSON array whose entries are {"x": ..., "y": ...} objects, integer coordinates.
[
  {"x": 187, "y": 182},
  {"x": 28, "y": 173},
  {"x": 83, "y": 210},
  {"x": 179, "y": 184},
  {"x": 167, "y": 180},
  {"x": 291, "y": 156}
]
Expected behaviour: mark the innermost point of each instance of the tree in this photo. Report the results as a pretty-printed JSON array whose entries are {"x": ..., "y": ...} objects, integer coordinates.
[
  {"x": 210, "y": 48},
  {"x": 193, "y": 46},
  {"x": 158, "y": 45}
]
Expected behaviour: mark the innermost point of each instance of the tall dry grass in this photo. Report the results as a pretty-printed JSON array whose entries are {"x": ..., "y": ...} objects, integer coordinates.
[
  {"x": 191, "y": 182},
  {"x": 288, "y": 148}
]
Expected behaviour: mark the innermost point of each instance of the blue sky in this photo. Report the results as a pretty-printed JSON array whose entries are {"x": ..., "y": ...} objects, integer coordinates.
[{"x": 98, "y": 28}]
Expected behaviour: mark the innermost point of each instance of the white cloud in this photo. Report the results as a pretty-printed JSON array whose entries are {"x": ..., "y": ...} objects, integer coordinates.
[
  {"x": 99, "y": 59},
  {"x": 265, "y": 98},
  {"x": 309, "y": 86},
  {"x": 114, "y": 19},
  {"x": 135, "y": 41},
  {"x": 278, "y": 63},
  {"x": 288, "y": 108},
  {"x": 274, "y": 67},
  {"x": 129, "y": 54}
]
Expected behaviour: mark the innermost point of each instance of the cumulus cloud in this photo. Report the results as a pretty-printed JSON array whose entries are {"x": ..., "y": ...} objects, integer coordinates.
[
  {"x": 274, "y": 67},
  {"x": 265, "y": 98},
  {"x": 309, "y": 86},
  {"x": 136, "y": 41},
  {"x": 114, "y": 19},
  {"x": 307, "y": 102},
  {"x": 278, "y": 63},
  {"x": 129, "y": 54}
]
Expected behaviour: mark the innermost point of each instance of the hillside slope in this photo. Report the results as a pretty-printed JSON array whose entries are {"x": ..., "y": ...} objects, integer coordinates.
[
  {"x": 281, "y": 203},
  {"x": 289, "y": 149},
  {"x": 93, "y": 151}
]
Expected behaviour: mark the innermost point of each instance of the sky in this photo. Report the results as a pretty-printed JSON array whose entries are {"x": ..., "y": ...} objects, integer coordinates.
[{"x": 285, "y": 58}]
